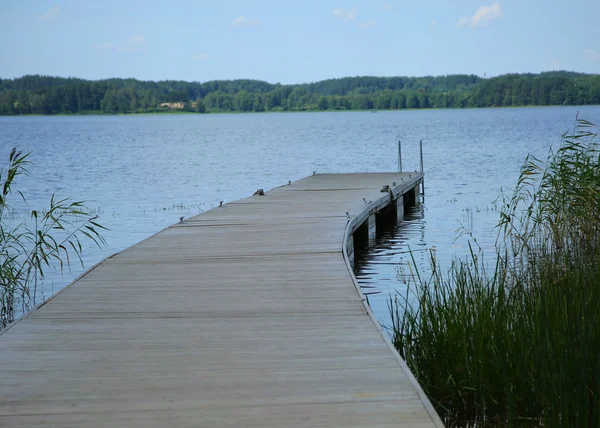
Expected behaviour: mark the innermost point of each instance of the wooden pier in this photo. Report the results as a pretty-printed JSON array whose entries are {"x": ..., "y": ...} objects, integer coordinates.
[{"x": 246, "y": 315}]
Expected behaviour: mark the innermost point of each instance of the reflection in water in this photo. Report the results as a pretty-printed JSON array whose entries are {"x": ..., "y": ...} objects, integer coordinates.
[
  {"x": 384, "y": 264},
  {"x": 436, "y": 225},
  {"x": 379, "y": 264}
]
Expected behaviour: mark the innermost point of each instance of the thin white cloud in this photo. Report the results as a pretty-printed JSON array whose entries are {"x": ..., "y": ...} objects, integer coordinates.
[
  {"x": 345, "y": 14},
  {"x": 432, "y": 23},
  {"x": 202, "y": 57},
  {"x": 486, "y": 14},
  {"x": 244, "y": 21},
  {"x": 133, "y": 43},
  {"x": 462, "y": 22},
  {"x": 387, "y": 6},
  {"x": 591, "y": 55},
  {"x": 367, "y": 24},
  {"x": 51, "y": 13},
  {"x": 482, "y": 17}
]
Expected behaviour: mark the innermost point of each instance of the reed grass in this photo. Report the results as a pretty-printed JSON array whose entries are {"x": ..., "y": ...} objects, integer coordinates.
[
  {"x": 515, "y": 341},
  {"x": 40, "y": 240}
]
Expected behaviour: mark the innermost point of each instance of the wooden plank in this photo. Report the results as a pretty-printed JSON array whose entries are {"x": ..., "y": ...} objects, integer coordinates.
[{"x": 246, "y": 315}]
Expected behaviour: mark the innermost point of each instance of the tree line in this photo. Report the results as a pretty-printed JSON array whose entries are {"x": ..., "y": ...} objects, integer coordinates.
[{"x": 56, "y": 95}]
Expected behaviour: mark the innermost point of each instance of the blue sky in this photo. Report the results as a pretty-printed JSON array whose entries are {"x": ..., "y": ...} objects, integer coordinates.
[{"x": 295, "y": 41}]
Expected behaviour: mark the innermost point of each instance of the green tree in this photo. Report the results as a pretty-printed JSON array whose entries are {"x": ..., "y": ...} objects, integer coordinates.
[
  {"x": 402, "y": 100},
  {"x": 383, "y": 100},
  {"x": 412, "y": 101},
  {"x": 269, "y": 101},
  {"x": 423, "y": 99},
  {"x": 243, "y": 101},
  {"x": 258, "y": 104},
  {"x": 199, "y": 106},
  {"x": 108, "y": 104},
  {"x": 294, "y": 99},
  {"x": 323, "y": 104}
]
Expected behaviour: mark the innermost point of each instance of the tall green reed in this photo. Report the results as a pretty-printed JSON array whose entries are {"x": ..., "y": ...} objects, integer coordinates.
[
  {"x": 515, "y": 341},
  {"x": 42, "y": 240}
]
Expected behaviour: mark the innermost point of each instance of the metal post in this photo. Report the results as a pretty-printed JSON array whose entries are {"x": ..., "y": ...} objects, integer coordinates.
[
  {"x": 422, "y": 179},
  {"x": 399, "y": 156}
]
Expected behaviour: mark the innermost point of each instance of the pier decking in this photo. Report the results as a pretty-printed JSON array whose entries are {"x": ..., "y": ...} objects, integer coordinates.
[{"x": 246, "y": 315}]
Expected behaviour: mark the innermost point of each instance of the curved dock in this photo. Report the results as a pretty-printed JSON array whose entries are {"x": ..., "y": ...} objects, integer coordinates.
[{"x": 245, "y": 315}]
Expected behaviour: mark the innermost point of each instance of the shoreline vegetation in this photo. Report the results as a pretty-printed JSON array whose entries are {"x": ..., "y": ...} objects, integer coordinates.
[
  {"x": 47, "y": 95},
  {"x": 515, "y": 340},
  {"x": 215, "y": 112},
  {"x": 39, "y": 241}
]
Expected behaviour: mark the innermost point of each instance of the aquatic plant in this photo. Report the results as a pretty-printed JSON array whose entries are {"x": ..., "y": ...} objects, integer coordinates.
[
  {"x": 516, "y": 340},
  {"x": 44, "y": 239}
]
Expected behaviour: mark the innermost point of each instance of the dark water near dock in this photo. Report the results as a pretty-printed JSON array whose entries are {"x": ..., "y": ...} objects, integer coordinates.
[
  {"x": 381, "y": 266},
  {"x": 141, "y": 173}
]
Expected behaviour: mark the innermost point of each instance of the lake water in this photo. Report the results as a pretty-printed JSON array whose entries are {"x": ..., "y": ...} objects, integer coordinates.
[{"x": 141, "y": 173}]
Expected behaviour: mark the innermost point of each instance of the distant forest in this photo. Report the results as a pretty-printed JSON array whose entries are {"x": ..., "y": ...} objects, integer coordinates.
[{"x": 56, "y": 95}]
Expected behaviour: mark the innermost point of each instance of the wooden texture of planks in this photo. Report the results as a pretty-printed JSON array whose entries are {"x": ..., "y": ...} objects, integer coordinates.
[{"x": 246, "y": 315}]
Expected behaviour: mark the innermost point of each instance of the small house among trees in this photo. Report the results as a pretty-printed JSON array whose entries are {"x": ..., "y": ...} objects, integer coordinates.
[{"x": 177, "y": 106}]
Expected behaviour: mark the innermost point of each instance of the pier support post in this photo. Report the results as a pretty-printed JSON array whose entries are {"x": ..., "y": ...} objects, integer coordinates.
[
  {"x": 413, "y": 196},
  {"x": 400, "y": 208},
  {"x": 423, "y": 179},
  {"x": 372, "y": 226},
  {"x": 350, "y": 249},
  {"x": 417, "y": 194},
  {"x": 399, "y": 156}
]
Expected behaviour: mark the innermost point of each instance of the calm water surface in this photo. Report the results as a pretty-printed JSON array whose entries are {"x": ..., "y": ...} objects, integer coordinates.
[{"x": 141, "y": 173}]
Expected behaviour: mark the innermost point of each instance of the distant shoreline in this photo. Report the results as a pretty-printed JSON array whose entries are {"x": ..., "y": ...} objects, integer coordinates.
[
  {"x": 48, "y": 95},
  {"x": 208, "y": 113}
]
